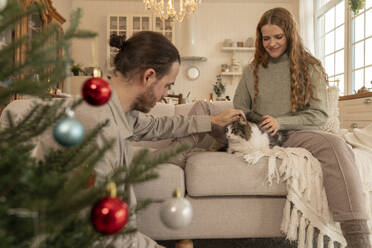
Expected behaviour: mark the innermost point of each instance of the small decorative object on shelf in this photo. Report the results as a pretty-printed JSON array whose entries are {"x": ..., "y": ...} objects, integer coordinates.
[
  {"x": 225, "y": 68},
  {"x": 235, "y": 65},
  {"x": 362, "y": 90},
  {"x": 176, "y": 212},
  {"x": 227, "y": 43},
  {"x": 110, "y": 214},
  {"x": 76, "y": 69},
  {"x": 219, "y": 87},
  {"x": 356, "y": 5},
  {"x": 249, "y": 42}
]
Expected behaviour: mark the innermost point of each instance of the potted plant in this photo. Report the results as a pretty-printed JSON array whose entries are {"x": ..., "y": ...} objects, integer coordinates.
[
  {"x": 75, "y": 69},
  {"x": 356, "y": 5},
  {"x": 219, "y": 87}
]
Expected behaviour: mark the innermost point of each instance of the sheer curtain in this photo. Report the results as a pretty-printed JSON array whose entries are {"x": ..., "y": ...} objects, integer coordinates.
[{"x": 307, "y": 32}]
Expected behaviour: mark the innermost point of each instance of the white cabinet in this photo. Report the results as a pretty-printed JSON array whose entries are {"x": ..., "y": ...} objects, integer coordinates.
[
  {"x": 165, "y": 27},
  {"x": 130, "y": 24},
  {"x": 355, "y": 110},
  {"x": 235, "y": 67}
]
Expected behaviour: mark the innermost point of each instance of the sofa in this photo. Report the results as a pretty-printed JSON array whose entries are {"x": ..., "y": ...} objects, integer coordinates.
[{"x": 229, "y": 198}]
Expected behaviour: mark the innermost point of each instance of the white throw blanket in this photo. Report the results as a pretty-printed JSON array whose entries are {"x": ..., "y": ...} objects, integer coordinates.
[{"x": 306, "y": 206}]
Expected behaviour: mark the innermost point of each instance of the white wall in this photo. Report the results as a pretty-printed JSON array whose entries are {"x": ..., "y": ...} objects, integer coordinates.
[
  {"x": 216, "y": 20},
  {"x": 64, "y": 8}
]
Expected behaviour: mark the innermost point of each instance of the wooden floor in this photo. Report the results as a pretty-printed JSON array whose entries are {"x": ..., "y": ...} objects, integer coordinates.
[
  {"x": 243, "y": 243},
  {"x": 236, "y": 243}
]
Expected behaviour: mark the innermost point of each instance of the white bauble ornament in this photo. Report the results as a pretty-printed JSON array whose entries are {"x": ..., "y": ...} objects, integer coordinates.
[
  {"x": 176, "y": 212},
  {"x": 3, "y": 3}
]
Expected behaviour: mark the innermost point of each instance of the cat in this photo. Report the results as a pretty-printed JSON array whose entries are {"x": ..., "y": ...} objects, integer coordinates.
[{"x": 245, "y": 136}]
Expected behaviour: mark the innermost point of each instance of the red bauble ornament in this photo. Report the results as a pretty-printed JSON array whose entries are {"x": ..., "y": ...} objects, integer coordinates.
[
  {"x": 109, "y": 215},
  {"x": 96, "y": 91}
]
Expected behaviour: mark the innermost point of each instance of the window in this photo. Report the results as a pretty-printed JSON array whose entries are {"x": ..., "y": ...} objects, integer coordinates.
[
  {"x": 164, "y": 27},
  {"x": 362, "y": 48},
  {"x": 343, "y": 43},
  {"x": 130, "y": 24},
  {"x": 116, "y": 25}
]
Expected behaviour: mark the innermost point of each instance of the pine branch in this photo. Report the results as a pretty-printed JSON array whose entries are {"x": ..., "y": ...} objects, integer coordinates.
[
  {"x": 47, "y": 202},
  {"x": 31, "y": 76}
]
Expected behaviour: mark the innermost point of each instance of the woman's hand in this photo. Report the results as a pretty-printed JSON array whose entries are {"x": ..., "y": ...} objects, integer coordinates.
[
  {"x": 270, "y": 124},
  {"x": 226, "y": 117}
]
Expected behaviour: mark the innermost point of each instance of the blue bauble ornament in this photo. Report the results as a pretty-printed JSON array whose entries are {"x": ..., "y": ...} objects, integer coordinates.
[{"x": 68, "y": 132}]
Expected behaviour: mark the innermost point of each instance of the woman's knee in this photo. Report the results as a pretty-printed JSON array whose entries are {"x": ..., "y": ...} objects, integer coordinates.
[
  {"x": 336, "y": 142},
  {"x": 200, "y": 108},
  {"x": 330, "y": 147}
]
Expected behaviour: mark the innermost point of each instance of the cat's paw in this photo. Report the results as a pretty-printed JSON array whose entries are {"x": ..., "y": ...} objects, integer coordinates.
[{"x": 238, "y": 154}]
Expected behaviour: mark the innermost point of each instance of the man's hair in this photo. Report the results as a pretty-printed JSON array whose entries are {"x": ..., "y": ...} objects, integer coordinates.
[{"x": 142, "y": 51}]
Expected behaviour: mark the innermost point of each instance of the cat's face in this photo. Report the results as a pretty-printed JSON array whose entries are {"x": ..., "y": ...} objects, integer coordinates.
[{"x": 238, "y": 130}]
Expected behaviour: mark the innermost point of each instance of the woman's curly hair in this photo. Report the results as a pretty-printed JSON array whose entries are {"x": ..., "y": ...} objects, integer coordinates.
[{"x": 300, "y": 58}]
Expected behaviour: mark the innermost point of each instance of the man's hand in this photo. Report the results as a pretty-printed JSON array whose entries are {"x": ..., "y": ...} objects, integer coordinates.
[
  {"x": 226, "y": 117},
  {"x": 270, "y": 124}
]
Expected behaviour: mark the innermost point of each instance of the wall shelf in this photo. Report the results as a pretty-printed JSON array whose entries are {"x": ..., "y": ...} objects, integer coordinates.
[
  {"x": 231, "y": 73},
  {"x": 237, "y": 48},
  {"x": 193, "y": 58}
]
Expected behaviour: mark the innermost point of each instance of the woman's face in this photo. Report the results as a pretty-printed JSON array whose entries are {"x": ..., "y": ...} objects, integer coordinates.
[{"x": 273, "y": 40}]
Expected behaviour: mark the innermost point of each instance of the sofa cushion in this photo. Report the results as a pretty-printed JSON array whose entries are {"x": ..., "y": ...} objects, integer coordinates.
[
  {"x": 333, "y": 123},
  {"x": 162, "y": 188},
  {"x": 221, "y": 173},
  {"x": 183, "y": 109}
]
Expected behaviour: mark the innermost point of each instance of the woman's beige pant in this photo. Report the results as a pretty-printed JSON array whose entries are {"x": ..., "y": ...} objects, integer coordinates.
[{"x": 342, "y": 181}]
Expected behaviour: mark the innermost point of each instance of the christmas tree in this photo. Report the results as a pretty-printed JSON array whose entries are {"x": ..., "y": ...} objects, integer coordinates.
[{"x": 48, "y": 202}]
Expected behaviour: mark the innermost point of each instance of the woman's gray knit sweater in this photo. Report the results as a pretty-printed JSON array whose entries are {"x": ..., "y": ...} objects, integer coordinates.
[{"x": 274, "y": 96}]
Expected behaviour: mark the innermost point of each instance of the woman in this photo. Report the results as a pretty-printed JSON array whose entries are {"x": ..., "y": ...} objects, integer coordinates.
[{"x": 287, "y": 85}]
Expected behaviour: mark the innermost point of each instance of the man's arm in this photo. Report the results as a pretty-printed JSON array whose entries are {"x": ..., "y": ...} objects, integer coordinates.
[{"x": 147, "y": 127}]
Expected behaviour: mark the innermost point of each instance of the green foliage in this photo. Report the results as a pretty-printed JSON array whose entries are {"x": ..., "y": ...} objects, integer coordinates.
[
  {"x": 356, "y": 5},
  {"x": 46, "y": 202},
  {"x": 41, "y": 68},
  {"x": 75, "y": 69},
  {"x": 219, "y": 87}
]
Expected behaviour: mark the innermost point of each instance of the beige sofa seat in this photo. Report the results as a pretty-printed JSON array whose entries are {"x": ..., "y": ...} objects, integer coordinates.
[
  {"x": 219, "y": 217},
  {"x": 161, "y": 188},
  {"x": 222, "y": 174}
]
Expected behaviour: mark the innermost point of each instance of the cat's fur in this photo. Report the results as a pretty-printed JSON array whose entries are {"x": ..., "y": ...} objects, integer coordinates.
[{"x": 245, "y": 136}]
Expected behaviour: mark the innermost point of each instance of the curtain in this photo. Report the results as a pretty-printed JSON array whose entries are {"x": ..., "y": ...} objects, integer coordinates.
[{"x": 307, "y": 31}]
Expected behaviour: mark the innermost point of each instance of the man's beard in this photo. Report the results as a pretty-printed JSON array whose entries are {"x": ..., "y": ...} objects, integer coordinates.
[{"x": 145, "y": 101}]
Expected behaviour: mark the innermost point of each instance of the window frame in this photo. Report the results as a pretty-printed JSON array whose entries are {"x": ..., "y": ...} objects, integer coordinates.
[
  {"x": 130, "y": 30},
  {"x": 348, "y": 39}
]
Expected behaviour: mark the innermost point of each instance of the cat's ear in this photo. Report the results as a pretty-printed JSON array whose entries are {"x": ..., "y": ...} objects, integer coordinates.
[
  {"x": 242, "y": 121},
  {"x": 248, "y": 131}
]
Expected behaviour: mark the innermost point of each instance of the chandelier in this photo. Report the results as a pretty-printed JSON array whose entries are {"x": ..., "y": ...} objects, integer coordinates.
[{"x": 168, "y": 9}]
